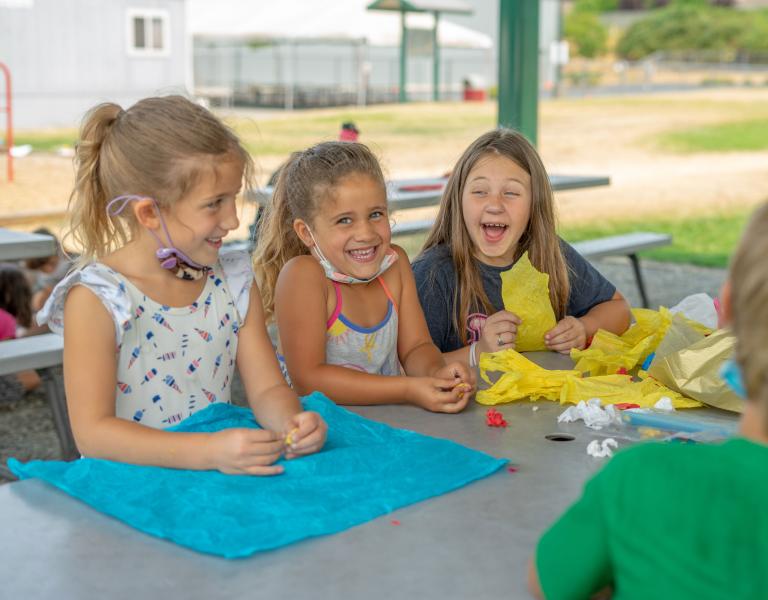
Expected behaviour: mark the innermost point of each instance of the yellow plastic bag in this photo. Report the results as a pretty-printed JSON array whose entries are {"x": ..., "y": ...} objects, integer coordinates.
[
  {"x": 695, "y": 371},
  {"x": 521, "y": 379},
  {"x": 525, "y": 292},
  {"x": 680, "y": 334}
]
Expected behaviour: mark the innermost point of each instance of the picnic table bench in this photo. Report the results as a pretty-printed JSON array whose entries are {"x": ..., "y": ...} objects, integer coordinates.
[
  {"x": 626, "y": 244},
  {"x": 43, "y": 352}
]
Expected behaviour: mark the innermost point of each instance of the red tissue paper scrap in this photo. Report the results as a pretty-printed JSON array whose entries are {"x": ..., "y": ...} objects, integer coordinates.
[{"x": 494, "y": 418}]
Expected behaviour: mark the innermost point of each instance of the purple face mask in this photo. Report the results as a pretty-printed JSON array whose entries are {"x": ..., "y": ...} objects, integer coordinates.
[{"x": 170, "y": 257}]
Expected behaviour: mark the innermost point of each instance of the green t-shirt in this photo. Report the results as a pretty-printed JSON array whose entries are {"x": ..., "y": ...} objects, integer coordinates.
[{"x": 665, "y": 521}]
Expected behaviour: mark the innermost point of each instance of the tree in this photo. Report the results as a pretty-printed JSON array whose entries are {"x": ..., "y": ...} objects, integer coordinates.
[{"x": 586, "y": 34}]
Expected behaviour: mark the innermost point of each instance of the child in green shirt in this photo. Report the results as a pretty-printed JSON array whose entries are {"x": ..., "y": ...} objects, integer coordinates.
[{"x": 680, "y": 521}]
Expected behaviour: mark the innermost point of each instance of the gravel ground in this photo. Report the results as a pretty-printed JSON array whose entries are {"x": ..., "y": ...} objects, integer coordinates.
[{"x": 26, "y": 427}]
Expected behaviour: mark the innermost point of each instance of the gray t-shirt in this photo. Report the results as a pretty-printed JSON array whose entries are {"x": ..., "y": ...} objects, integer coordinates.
[{"x": 436, "y": 282}]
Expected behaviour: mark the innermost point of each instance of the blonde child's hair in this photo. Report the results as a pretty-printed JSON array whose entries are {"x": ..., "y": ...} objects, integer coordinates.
[
  {"x": 307, "y": 179},
  {"x": 539, "y": 238},
  {"x": 159, "y": 148},
  {"x": 749, "y": 300}
]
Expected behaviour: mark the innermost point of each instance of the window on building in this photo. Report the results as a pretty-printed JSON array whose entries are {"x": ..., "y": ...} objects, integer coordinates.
[{"x": 148, "y": 32}]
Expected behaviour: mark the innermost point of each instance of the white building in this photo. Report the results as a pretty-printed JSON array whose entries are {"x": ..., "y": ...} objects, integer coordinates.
[{"x": 65, "y": 56}]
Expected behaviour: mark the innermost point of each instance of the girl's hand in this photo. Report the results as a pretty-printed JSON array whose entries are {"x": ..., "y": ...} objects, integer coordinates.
[
  {"x": 438, "y": 394},
  {"x": 499, "y": 332},
  {"x": 306, "y": 434},
  {"x": 246, "y": 451},
  {"x": 461, "y": 375},
  {"x": 568, "y": 333}
]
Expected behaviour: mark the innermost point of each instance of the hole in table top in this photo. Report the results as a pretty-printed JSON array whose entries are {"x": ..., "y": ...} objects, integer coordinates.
[{"x": 560, "y": 437}]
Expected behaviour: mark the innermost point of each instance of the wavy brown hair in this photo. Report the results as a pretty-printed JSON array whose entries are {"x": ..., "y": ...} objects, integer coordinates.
[
  {"x": 307, "y": 179},
  {"x": 539, "y": 238},
  {"x": 749, "y": 301},
  {"x": 15, "y": 294},
  {"x": 159, "y": 147}
]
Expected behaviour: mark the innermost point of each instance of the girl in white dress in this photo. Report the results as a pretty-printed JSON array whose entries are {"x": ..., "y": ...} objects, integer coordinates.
[{"x": 155, "y": 319}]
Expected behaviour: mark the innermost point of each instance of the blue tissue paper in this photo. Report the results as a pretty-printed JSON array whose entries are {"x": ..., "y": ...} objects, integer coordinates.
[{"x": 365, "y": 470}]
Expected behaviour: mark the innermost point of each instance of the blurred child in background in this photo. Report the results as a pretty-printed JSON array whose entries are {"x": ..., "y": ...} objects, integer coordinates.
[
  {"x": 15, "y": 313},
  {"x": 46, "y": 271}
]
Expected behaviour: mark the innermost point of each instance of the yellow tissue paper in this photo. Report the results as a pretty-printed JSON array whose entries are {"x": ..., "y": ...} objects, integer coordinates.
[
  {"x": 609, "y": 352},
  {"x": 613, "y": 389},
  {"x": 521, "y": 379},
  {"x": 648, "y": 323},
  {"x": 525, "y": 292}
]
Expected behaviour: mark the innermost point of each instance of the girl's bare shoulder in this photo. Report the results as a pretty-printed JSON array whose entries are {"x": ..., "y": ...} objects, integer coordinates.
[{"x": 304, "y": 266}]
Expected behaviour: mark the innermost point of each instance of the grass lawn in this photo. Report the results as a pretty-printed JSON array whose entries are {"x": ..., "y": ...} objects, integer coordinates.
[
  {"x": 704, "y": 241},
  {"x": 744, "y": 136},
  {"x": 387, "y": 128},
  {"x": 44, "y": 140}
]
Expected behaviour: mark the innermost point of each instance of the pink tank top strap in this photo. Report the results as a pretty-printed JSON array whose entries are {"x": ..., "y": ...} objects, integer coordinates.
[
  {"x": 336, "y": 311},
  {"x": 387, "y": 292}
]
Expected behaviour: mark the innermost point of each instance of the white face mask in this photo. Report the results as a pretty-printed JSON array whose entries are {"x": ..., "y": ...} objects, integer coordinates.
[{"x": 331, "y": 273}]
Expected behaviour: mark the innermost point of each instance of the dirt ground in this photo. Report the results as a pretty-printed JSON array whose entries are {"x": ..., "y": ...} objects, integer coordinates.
[{"x": 606, "y": 137}]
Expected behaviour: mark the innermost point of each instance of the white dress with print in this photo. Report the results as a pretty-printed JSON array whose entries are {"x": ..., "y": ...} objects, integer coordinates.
[{"x": 171, "y": 361}]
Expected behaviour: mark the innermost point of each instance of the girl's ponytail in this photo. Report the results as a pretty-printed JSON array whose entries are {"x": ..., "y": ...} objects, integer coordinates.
[
  {"x": 91, "y": 228},
  {"x": 277, "y": 242}
]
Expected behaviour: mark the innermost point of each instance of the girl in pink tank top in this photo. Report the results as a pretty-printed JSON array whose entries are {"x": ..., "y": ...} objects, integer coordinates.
[{"x": 349, "y": 319}]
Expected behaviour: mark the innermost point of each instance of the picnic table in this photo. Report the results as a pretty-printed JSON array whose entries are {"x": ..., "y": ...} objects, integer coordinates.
[
  {"x": 471, "y": 543},
  {"x": 403, "y": 194},
  {"x": 42, "y": 352},
  {"x": 17, "y": 245}
]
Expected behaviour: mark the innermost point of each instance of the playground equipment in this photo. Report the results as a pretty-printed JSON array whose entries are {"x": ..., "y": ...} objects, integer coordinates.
[{"x": 8, "y": 110}]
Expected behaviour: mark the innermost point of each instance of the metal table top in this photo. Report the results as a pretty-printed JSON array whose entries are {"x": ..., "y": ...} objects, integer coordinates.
[
  {"x": 17, "y": 245},
  {"x": 418, "y": 193},
  {"x": 471, "y": 543}
]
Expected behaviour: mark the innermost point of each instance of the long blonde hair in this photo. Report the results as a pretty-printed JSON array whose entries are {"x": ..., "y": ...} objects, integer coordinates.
[
  {"x": 159, "y": 148},
  {"x": 539, "y": 238},
  {"x": 749, "y": 299},
  {"x": 307, "y": 179}
]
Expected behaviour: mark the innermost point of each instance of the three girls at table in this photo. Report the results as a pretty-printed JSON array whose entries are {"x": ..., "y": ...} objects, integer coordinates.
[{"x": 151, "y": 206}]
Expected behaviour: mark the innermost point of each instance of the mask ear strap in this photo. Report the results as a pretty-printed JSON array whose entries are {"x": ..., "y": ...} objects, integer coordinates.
[
  {"x": 162, "y": 222},
  {"x": 316, "y": 247},
  {"x": 124, "y": 200},
  {"x": 168, "y": 254}
]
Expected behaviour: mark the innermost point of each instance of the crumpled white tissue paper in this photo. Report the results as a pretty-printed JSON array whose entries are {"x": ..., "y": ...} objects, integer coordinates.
[
  {"x": 664, "y": 403},
  {"x": 591, "y": 412},
  {"x": 602, "y": 449}
]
